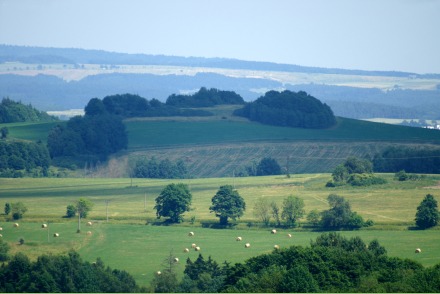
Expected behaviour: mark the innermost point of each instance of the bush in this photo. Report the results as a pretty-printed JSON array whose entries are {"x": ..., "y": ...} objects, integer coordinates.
[{"x": 365, "y": 180}]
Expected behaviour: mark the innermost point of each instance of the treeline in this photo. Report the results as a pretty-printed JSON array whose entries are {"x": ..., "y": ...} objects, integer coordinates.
[
  {"x": 164, "y": 169},
  {"x": 19, "y": 158},
  {"x": 90, "y": 136},
  {"x": 205, "y": 98},
  {"x": 332, "y": 263},
  {"x": 413, "y": 160},
  {"x": 12, "y": 111},
  {"x": 63, "y": 274},
  {"x": 289, "y": 109},
  {"x": 129, "y": 105}
]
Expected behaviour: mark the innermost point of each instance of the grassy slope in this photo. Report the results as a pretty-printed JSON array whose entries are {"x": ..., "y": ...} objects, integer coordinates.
[{"x": 127, "y": 243}]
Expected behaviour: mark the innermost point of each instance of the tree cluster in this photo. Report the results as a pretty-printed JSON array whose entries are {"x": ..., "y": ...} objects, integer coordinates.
[
  {"x": 427, "y": 215},
  {"x": 96, "y": 136},
  {"x": 332, "y": 263},
  {"x": 17, "y": 158},
  {"x": 291, "y": 211},
  {"x": 164, "y": 169},
  {"x": 356, "y": 172},
  {"x": 129, "y": 105},
  {"x": 67, "y": 274},
  {"x": 266, "y": 167},
  {"x": 413, "y": 160},
  {"x": 289, "y": 109},
  {"x": 205, "y": 98},
  {"x": 12, "y": 111}
]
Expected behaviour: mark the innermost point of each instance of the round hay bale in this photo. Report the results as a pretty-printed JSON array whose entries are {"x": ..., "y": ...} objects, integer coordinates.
[
  {"x": 1, "y": 229},
  {"x": 1, "y": 236},
  {"x": 89, "y": 233},
  {"x": 16, "y": 225},
  {"x": 247, "y": 245},
  {"x": 289, "y": 235},
  {"x": 273, "y": 231},
  {"x": 197, "y": 248},
  {"x": 89, "y": 223},
  {"x": 276, "y": 247},
  {"x": 44, "y": 226},
  {"x": 418, "y": 250},
  {"x": 186, "y": 250},
  {"x": 191, "y": 234},
  {"x": 193, "y": 245},
  {"x": 158, "y": 273},
  {"x": 238, "y": 239},
  {"x": 176, "y": 259},
  {"x": 56, "y": 235}
]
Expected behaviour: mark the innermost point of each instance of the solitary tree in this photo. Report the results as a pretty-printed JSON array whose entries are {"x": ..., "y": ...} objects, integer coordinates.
[
  {"x": 7, "y": 208},
  {"x": 268, "y": 166},
  {"x": 173, "y": 201},
  {"x": 227, "y": 203},
  {"x": 427, "y": 214},
  {"x": 262, "y": 210},
  {"x": 340, "y": 215},
  {"x": 17, "y": 210},
  {"x": 293, "y": 209},
  {"x": 83, "y": 206}
]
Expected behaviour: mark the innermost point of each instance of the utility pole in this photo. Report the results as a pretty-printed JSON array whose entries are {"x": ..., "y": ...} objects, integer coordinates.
[
  {"x": 145, "y": 202},
  {"x": 106, "y": 208}
]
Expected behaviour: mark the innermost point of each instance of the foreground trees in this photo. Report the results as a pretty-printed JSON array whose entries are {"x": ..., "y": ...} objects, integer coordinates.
[
  {"x": 227, "y": 203},
  {"x": 173, "y": 201}
]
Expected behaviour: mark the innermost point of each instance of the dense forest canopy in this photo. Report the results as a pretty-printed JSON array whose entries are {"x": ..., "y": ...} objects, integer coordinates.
[
  {"x": 12, "y": 111},
  {"x": 205, "y": 98},
  {"x": 289, "y": 109}
]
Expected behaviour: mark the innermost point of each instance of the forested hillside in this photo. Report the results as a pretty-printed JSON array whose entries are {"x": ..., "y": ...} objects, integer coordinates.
[{"x": 13, "y": 111}]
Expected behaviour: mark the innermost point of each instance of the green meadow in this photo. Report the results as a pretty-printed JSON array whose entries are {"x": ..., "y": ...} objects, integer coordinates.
[{"x": 135, "y": 240}]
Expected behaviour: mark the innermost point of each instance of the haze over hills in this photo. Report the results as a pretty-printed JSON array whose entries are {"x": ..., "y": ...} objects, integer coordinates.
[{"x": 59, "y": 79}]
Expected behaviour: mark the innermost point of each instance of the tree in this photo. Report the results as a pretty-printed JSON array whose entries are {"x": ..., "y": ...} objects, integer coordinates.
[
  {"x": 313, "y": 217},
  {"x": 293, "y": 209},
  {"x": 70, "y": 210},
  {"x": 17, "y": 210},
  {"x": 227, "y": 203},
  {"x": 276, "y": 212},
  {"x": 165, "y": 281},
  {"x": 83, "y": 206},
  {"x": 268, "y": 166},
  {"x": 340, "y": 215},
  {"x": 4, "y": 248},
  {"x": 173, "y": 201},
  {"x": 427, "y": 214},
  {"x": 7, "y": 208},
  {"x": 4, "y": 132},
  {"x": 262, "y": 210}
]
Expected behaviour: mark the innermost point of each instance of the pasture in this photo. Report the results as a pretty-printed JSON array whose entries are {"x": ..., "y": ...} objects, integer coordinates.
[{"x": 134, "y": 240}]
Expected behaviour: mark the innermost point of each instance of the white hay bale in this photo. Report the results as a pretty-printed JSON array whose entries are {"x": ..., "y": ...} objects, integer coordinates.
[
  {"x": 193, "y": 245},
  {"x": 273, "y": 231},
  {"x": 238, "y": 239},
  {"x": 289, "y": 235},
  {"x": 44, "y": 226},
  {"x": 276, "y": 247},
  {"x": 197, "y": 248},
  {"x": 158, "y": 273},
  {"x": 176, "y": 259},
  {"x": 247, "y": 245},
  {"x": 56, "y": 235},
  {"x": 1, "y": 229},
  {"x": 1, "y": 236},
  {"x": 191, "y": 234},
  {"x": 89, "y": 223},
  {"x": 418, "y": 250},
  {"x": 186, "y": 250},
  {"x": 89, "y": 233},
  {"x": 16, "y": 225}
]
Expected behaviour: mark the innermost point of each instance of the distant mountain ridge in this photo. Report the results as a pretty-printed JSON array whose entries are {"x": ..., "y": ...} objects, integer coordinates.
[{"x": 35, "y": 55}]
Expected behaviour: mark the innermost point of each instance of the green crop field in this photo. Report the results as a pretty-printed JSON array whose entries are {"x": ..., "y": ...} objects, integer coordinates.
[{"x": 134, "y": 240}]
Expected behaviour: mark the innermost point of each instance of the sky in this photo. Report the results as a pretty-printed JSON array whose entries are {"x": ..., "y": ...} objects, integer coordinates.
[{"x": 399, "y": 35}]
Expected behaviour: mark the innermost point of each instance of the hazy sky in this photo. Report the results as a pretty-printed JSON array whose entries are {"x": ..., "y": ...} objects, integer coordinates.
[{"x": 402, "y": 35}]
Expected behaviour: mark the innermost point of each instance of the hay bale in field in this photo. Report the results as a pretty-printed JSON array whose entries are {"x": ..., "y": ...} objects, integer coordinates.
[
  {"x": 276, "y": 247},
  {"x": 1, "y": 229},
  {"x": 289, "y": 235},
  {"x": 273, "y": 231},
  {"x": 197, "y": 248},
  {"x": 158, "y": 273},
  {"x": 193, "y": 245},
  {"x": 56, "y": 235},
  {"x": 89, "y": 223},
  {"x": 89, "y": 233},
  {"x": 16, "y": 225},
  {"x": 191, "y": 234},
  {"x": 418, "y": 250},
  {"x": 44, "y": 226},
  {"x": 176, "y": 259},
  {"x": 247, "y": 245},
  {"x": 238, "y": 239},
  {"x": 186, "y": 250},
  {"x": 1, "y": 236}
]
